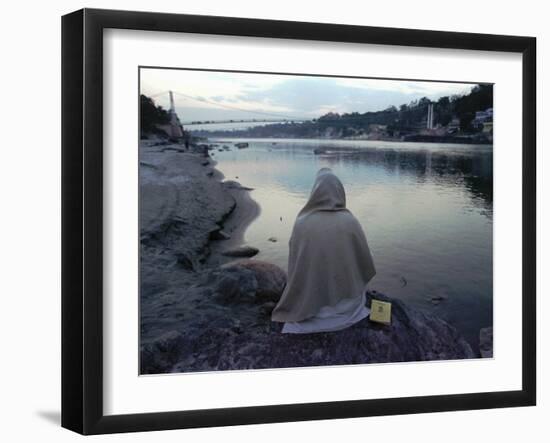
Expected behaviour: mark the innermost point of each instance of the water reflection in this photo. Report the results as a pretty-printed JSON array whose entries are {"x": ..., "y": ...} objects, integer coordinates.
[
  {"x": 464, "y": 168},
  {"x": 426, "y": 208}
]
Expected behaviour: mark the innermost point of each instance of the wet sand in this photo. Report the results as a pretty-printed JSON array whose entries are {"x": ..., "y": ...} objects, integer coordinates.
[{"x": 245, "y": 212}]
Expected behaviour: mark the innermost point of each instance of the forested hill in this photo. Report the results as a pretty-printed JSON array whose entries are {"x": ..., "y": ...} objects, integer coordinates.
[{"x": 151, "y": 115}]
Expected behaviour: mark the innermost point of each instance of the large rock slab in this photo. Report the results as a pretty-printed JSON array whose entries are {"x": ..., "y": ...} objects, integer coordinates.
[{"x": 230, "y": 327}]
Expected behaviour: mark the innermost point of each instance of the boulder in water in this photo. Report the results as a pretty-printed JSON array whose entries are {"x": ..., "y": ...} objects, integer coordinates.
[{"x": 243, "y": 251}]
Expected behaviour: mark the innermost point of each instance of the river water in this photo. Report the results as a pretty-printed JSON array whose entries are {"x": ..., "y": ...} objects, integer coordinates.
[{"x": 426, "y": 208}]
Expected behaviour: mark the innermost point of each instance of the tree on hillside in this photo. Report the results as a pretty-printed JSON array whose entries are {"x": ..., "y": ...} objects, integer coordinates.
[{"x": 151, "y": 114}]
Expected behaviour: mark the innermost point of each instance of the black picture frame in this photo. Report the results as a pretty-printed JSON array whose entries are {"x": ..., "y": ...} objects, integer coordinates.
[{"x": 82, "y": 218}]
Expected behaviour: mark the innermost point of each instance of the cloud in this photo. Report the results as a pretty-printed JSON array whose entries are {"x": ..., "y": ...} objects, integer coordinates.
[
  {"x": 234, "y": 94},
  {"x": 314, "y": 96},
  {"x": 423, "y": 88}
]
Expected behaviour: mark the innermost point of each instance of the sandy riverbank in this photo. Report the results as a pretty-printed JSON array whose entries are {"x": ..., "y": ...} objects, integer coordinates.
[
  {"x": 245, "y": 212},
  {"x": 184, "y": 204}
]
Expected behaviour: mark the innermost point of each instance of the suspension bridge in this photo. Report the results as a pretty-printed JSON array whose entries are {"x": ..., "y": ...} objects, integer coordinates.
[
  {"x": 175, "y": 127},
  {"x": 268, "y": 117}
]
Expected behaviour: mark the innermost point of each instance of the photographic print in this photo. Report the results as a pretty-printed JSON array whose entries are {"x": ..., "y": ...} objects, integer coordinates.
[{"x": 297, "y": 220}]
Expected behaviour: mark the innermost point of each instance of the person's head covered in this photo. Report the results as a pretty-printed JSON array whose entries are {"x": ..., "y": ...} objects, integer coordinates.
[{"x": 327, "y": 194}]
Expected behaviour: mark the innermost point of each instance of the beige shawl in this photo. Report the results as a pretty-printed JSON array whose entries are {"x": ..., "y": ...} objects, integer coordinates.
[{"x": 329, "y": 258}]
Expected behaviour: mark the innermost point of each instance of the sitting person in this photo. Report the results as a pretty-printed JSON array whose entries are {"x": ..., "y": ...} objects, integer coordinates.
[{"x": 329, "y": 264}]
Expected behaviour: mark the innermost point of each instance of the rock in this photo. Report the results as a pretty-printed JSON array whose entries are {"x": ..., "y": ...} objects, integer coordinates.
[
  {"x": 241, "y": 145},
  {"x": 232, "y": 184},
  {"x": 200, "y": 149},
  {"x": 219, "y": 235},
  {"x": 245, "y": 338},
  {"x": 236, "y": 287},
  {"x": 164, "y": 352},
  {"x": 436, "y": 299},
  {"x": 243, "y": 251},
  {"x": 272, "y": 239},
  {"x": 486, "y": 342},
  {"x": 271, "y": 280},
  {"x": 267, "y": 308}
]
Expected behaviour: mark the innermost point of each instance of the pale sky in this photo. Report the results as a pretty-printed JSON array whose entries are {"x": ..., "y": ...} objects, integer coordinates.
[{"x": 203, "y": 95}]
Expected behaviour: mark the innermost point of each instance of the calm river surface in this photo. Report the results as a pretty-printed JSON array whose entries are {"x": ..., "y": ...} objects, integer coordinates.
[{"x": 427, "y": 211}]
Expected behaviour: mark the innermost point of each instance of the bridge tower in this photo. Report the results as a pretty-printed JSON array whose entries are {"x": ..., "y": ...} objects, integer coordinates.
[
  {"x": 176, "y": 128},
  {"x": 172, "y": 106},
  {"x": 430, "y": 117}
]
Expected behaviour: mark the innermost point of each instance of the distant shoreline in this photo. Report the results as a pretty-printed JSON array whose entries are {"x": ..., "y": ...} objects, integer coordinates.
[{"x": 454, "y": 141}]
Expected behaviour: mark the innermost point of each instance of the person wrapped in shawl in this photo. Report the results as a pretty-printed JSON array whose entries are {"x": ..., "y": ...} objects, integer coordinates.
[{"x": 329, "y": 264}]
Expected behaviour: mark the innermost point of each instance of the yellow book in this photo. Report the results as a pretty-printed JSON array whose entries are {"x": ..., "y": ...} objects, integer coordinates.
[{"x": 380, "y": 312}]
